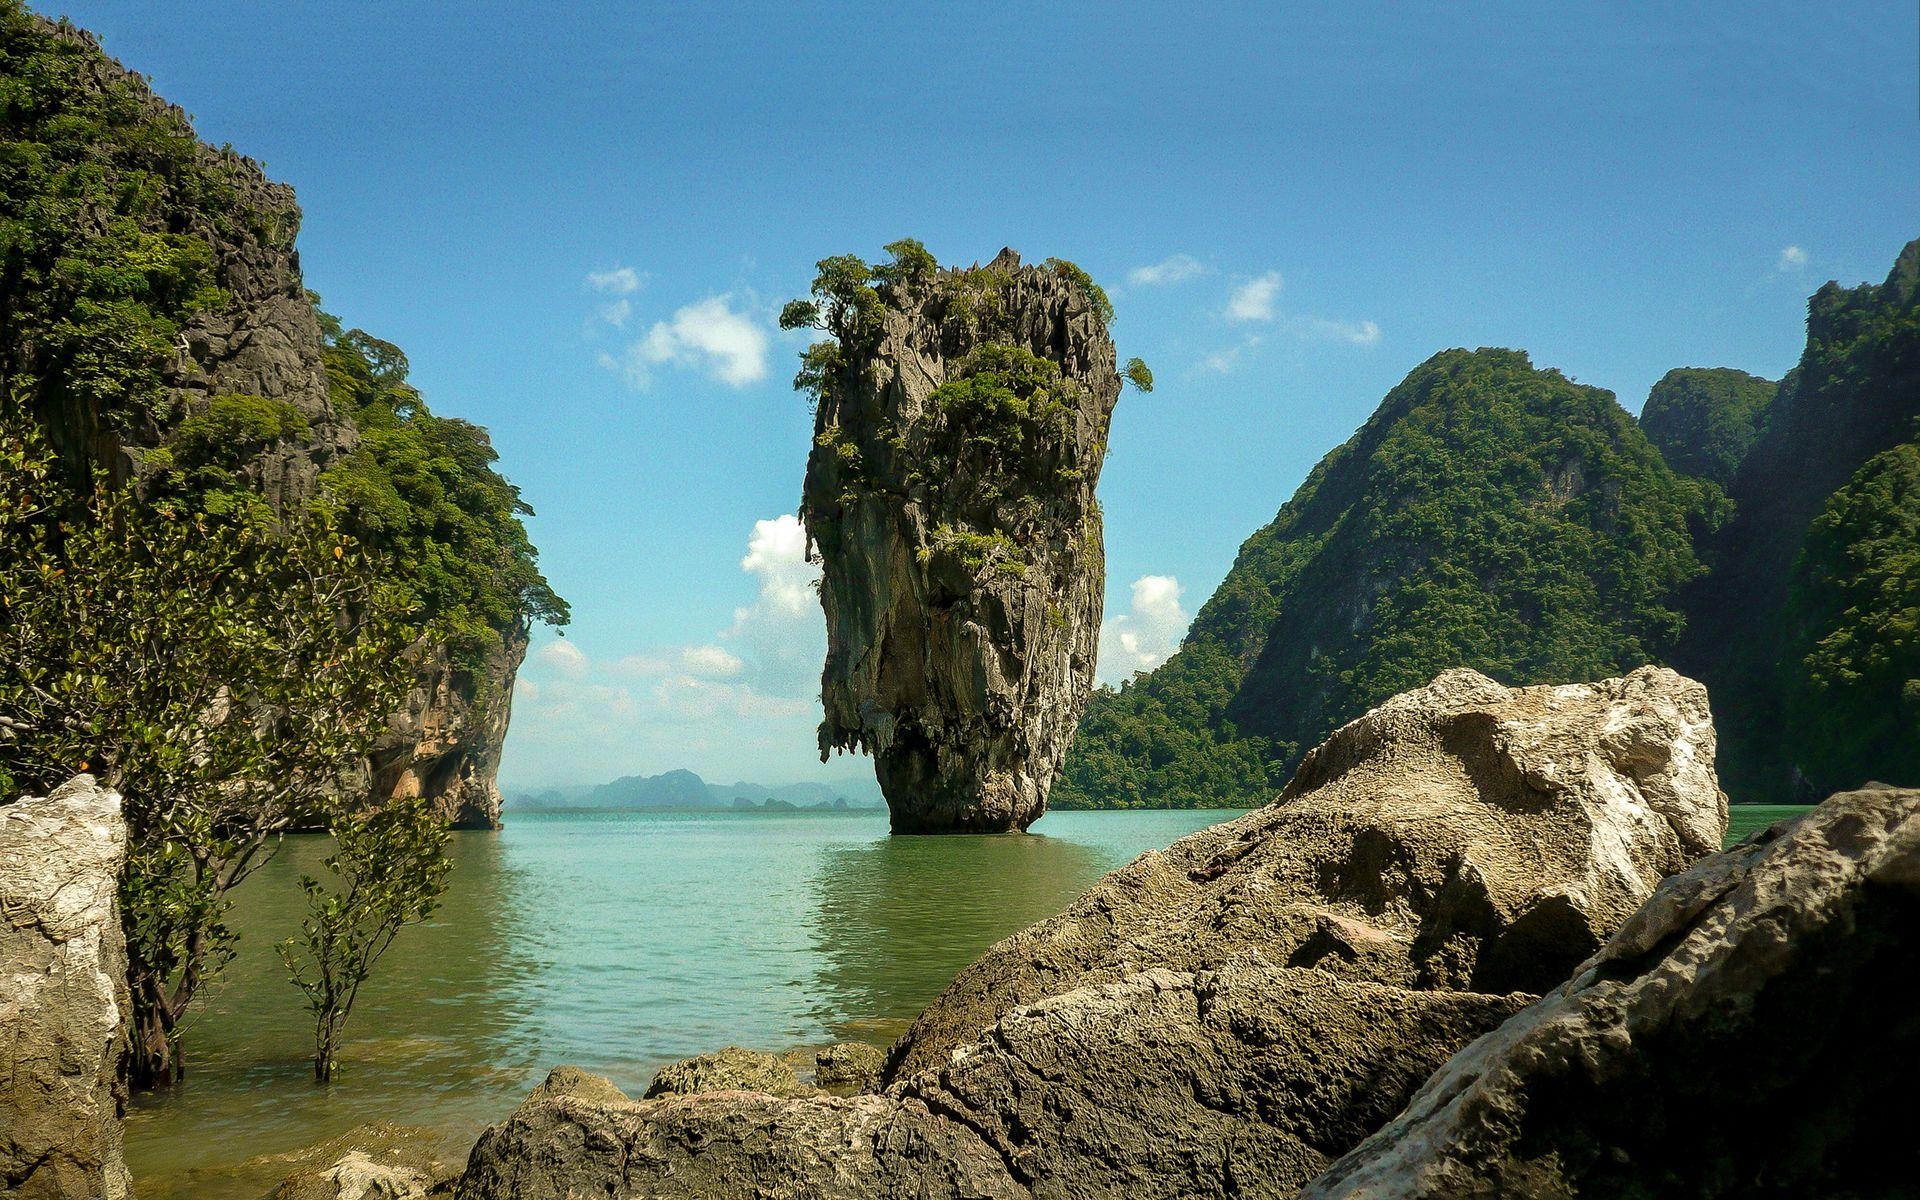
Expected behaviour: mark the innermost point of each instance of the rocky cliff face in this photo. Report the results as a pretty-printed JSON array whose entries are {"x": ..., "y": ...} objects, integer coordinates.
[
  {"x": 1227, "y": 1017},
  {"x": 950, "y": 496},
  {"x": 64, "y": 1007},
  {"x": 1741, "y": 1036},
  {"x": 446, "y": 742},
  {"x": 227, "y": 316}
]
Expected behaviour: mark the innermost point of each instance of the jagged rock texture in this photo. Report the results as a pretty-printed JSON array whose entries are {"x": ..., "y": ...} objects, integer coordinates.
[
  {"x": 1226, "y": 1018},
  {"x": 1461, "y": 835},
  {"x": 1747, "y": 1033},
  {"x": 963, "y": 580},
  {"x": 64, "y": 1006}
]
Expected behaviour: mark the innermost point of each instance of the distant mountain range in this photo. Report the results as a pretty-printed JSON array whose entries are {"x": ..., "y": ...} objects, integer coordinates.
[{"x": 684, "y": 791}]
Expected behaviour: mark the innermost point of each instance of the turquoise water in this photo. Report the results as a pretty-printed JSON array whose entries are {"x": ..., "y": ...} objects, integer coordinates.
[{"x": 617, "y": 941}]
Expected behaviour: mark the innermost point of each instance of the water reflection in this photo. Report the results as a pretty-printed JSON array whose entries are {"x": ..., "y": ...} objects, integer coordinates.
[{"x": 893, "y": 920}]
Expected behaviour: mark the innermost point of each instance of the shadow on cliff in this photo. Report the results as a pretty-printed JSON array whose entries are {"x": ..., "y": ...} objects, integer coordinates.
[{"x": 895, "y": 919}]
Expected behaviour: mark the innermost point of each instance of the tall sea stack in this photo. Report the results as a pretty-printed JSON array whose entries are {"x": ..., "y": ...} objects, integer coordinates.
[{"x": 960, "y": 425}]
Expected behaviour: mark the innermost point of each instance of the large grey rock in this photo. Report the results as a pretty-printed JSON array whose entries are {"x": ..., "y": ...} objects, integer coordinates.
[
  {"x": 731, "y": 1068},
  {"x": 722, "y": 1145},
  {"x": 962, "y": 549},
  {"x": 1750, "y": 1032},
  {"x": 1243, "y": 1081},
  {"x": 63, "y": 995},
  {"x": 1463, "y": 835},
  {"x": 445, "y": 742}
]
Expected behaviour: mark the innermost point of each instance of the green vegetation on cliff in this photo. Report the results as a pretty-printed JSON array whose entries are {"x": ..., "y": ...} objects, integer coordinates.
[
  {"x": 1852, "y": 658},
  {"x": 1802, "y": 684},
  {"x": 1489, "y": 515},
  {"x": 422, "y": 488},
  {"x": 1705, "y": 420}
]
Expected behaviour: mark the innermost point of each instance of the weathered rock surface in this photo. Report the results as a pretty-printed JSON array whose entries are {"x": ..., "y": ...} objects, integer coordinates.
[
  {"x": 731, "y": 1068},
  {"x": 446, "y": 742},
  {"x": 581, "y": 1085},
  {"x": 63, "y": 995},
  {"x": 1749, "y": 1032},
  {"x": 1227, "y": 1018},
  {"x": 1243, "y": 1081},
  {"x": 961, "y": 540},
  {"x": 848, "y": 1067},
  {"x": 1462, "y": 835},
  {"x": 733, "y": 1144}
]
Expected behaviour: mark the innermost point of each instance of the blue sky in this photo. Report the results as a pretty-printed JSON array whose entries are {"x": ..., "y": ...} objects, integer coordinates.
[{"x": 579, "y": 223}]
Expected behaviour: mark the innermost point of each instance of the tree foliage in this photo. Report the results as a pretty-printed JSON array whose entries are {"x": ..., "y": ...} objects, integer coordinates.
[
  {"x": 227, "y": 675},
  {"x": 422, "y": 490},
  {"x": 1852, "y": 663},
  {"x": 387, "y": 871},
  {"x": 1489, "y": 515},
  {"x": 1704, "y": 421}
]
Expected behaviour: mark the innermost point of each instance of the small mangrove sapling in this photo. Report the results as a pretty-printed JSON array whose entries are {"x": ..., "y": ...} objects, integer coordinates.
[{"x": 389, "y": 871}]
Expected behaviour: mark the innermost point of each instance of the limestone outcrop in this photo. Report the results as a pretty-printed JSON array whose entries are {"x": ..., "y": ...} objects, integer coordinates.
[
  {"x": 63, "y": 995},
  {"x": 960, "y": 428},
  {"x": 1463, "y": 835},
  {"x": 1749, "y": 1032},
  {"x": 446, "y": 742},
  {"x": 261, "y": 340},
  {"x": 731, "y": 1068},
  {"x": 1228, "y": 1017},
  {"x": 725, "y": 1144}
]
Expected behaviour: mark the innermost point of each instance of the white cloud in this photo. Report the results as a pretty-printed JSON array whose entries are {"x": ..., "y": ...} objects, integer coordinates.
[
  {"x": 1148, "y": 633},
  {"x": 1222, "y": 362},
  {"x": 1357, "y": 333},
  {"x": 616, "y": 313},
  {"x": 562, "y": 658},
  {"x": 714, "y": 662},
  {"x": 1253, "y": 300},
  {"x": 621, "y": 281},
  {"x": 709, "y": 335},
  {"x": 1792, "y": 258},
  {"x": 777, "y": 553},
  {"x": 1178, "y": 269}
]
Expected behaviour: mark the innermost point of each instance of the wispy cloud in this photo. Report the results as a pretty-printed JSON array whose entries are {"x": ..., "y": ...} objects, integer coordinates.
[
  {"x": 1177, "y": 269},
  {"x": 1144, "y": 636},
  {"x": 1354, "y": 333},
  {"x": 1222, "y": 362},
  {"x": 1254, "y": 299},
  {"x": 620, "y": 281},
  {"x": 712, "y": 336},
  {"x": 1792, "y": 258}
]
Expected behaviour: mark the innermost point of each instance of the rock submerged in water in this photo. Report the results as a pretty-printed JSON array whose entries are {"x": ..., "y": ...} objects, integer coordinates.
[
  {"x": 1463, "y": 835},
  {"x": 1227, "y": 1017},
  {"x": 63, "y": 995},
  {"x": 949, "y": 495},
  {"x": 1749, "y": 1032}
]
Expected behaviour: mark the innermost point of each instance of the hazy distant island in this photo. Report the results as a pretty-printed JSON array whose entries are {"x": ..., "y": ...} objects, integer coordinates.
[{"x": 684, "y": 791}]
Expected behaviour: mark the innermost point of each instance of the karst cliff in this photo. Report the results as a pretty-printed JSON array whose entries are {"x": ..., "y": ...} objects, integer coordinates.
[
  {"x": 210, "y": 370},
  {"x": 961, "y": 420}
]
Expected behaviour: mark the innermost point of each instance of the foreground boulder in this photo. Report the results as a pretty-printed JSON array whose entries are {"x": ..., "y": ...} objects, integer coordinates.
[
  {"x": 1750, "y": 1032},
  {"x": 1463, "y": 835},
  {"x": 731, "y": 1068},
  {"x": 63, "y": 995},
  {"x": 959, "y": 433},
  {"x": 1227, "y": 1018},
  {"x": 726, "y": 1144}
]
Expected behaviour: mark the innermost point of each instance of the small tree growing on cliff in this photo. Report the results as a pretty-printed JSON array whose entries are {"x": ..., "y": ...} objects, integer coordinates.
[
  {"x": 389, "y": 871},
  {"x": 226, "y": 674}
]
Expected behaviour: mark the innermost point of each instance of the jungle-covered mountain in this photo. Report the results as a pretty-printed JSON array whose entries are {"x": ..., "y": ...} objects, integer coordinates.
[
  {"x": 153, "y": 319},
  {"x": 1807, "y": 629},
  {"x": 1494, "y": 516},
  {"x": 1490, "y": 514}
]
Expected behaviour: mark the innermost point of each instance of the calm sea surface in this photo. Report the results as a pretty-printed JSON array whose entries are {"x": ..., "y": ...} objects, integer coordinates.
[
  {"x": 615, "y": 941},
  {"x": 618, "y": 942}
]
